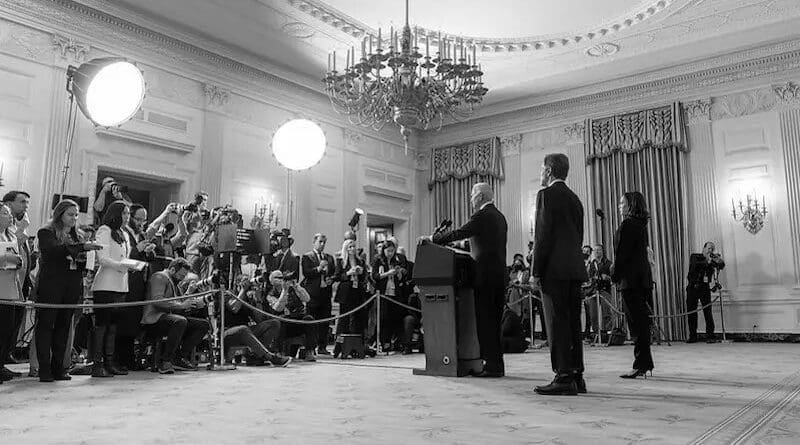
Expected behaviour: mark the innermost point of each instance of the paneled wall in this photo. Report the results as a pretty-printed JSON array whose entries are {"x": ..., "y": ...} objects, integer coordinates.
[{"x": 196, "y": 130}]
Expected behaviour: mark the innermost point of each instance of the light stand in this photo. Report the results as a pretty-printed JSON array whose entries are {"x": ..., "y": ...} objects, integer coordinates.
[{"x": 721, "y": 307}]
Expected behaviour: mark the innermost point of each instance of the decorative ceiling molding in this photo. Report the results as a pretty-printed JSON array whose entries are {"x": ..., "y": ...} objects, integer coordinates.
[
  {"x": 216, "y": 96},
  {"x": 699, "y": 83},
  {"x": 298, "y": 30},
  {"x": 355, "y": 28},
  {"x": 697, "y": 111}
]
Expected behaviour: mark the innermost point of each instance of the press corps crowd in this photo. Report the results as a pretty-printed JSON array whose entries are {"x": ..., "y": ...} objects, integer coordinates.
[{"x": 126, "y": 258}]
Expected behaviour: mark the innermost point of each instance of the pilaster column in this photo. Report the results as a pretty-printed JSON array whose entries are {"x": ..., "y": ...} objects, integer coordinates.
[
  {"x": 704, "y": 224},
  {"x": 574, "y": 138},
  {"x": 789, "y": 98},
  {"x": 511, "y": 201},
  {"x": 211, "y": 162},
  {"x": 66, "y": 52}
]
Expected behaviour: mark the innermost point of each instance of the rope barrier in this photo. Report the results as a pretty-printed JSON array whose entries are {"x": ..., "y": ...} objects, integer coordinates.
[
  {"x": 292, "y": 320},
  {"x": 682, "y": 314},
  {"x": 411, "y": 308},
  {"x": 34, "y": 305}
]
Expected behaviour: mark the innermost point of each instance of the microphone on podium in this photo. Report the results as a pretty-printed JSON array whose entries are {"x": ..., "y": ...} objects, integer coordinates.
[{"x": 442, "y": 226}]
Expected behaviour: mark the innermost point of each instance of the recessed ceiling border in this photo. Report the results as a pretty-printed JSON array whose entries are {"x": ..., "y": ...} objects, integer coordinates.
[{"x": 646, "y": 10}]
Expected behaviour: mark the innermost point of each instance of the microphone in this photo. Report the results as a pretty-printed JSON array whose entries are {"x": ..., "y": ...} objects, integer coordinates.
[
  {"x": 600, "y": 213},
  {"x": 442, "y": 226}
]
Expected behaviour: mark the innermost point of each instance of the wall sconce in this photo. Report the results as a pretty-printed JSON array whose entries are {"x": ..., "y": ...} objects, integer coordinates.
[{"x": 751, "y": 214}]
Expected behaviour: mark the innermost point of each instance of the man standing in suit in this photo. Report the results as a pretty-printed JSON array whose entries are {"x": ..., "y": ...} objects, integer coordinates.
[
  {"x": 558, "y": 270},
  {"x": 318, "y": 272},
  {"x": 284, "y": 259},
  {"x": 487, "y": 231}
]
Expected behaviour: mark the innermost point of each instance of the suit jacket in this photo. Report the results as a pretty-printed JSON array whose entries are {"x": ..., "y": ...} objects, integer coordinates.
[
  {"x": 290, "y": 264},
  {"x": 631, "y": 269},
  {"x": 558, "y": 238},
  {"x": 160, "y": 287},
  {"x": 312, "y": 278},
  {"x": 487, "y": 231},
  {"x": 55, "y": 275}
]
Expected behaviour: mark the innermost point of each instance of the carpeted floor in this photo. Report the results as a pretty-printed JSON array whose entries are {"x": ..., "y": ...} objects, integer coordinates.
[{"x": 703, "y": 394}]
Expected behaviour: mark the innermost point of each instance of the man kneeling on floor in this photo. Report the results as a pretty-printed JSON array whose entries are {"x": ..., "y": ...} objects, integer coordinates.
[
  {"x": 288, "y": 299},
  {"x": 258, "y": 337},
  {"x": 164, "y": 318}
]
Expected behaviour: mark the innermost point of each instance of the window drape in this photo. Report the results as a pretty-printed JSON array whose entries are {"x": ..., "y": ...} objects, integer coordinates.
[{"x": 645, "y": 151}]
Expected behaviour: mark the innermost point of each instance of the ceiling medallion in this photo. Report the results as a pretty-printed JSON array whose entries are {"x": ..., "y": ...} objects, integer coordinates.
[
  {"x": 398, "y": 84},
  {"x": 298, "y": 30},
  {"x": 603, "y": 50}
]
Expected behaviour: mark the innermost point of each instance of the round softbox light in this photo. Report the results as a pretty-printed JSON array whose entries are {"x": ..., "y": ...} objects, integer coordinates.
[
  {"x": 299, "y": 144},
  {"x": 109, "y": 91}
]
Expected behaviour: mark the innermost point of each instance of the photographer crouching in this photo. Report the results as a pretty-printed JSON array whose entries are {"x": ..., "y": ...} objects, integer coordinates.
[{"x": 703, "y": 270}]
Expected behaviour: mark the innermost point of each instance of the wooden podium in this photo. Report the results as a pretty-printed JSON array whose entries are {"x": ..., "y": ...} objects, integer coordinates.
[{"x": 444, "y": 277}]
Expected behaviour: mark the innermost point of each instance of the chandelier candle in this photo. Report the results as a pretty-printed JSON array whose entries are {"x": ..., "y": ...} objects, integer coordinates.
[{"x": 401, "y": 86}]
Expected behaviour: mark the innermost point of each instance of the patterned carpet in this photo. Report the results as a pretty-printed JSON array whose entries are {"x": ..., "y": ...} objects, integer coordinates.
[{"x": 700, "y": 394}]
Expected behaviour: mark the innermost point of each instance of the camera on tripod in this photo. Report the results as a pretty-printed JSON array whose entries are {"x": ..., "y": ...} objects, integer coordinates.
[{"x": 716, "y": 287}]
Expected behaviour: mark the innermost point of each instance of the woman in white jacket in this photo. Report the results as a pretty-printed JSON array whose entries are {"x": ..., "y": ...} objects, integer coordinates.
[{"x": 110, "y": 286}]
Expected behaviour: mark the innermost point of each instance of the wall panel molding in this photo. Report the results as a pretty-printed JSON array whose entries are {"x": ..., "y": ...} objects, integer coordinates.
[{"x": 790, "y": 133}]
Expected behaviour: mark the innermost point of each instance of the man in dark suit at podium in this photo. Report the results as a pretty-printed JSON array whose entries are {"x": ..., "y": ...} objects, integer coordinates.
[
  {"x": 558, "y": 270},
  {"x": 487, "y": 231}
]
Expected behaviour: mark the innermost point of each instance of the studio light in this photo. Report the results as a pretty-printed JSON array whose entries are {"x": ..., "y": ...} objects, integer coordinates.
[
  {"x": 356, "y": 217},
  {"x": 299, "y": 144},
  {"x": 109, "y": 91}
]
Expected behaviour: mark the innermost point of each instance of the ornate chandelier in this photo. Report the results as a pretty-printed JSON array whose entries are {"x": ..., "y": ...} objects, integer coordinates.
[{"x": 398, "y": 84}]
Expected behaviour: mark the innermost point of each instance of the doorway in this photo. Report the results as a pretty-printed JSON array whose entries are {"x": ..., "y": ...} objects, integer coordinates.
[{"x": 153, "y": 193}]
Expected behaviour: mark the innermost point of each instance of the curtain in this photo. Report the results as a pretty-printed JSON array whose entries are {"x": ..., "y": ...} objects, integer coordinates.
[
  {"x": 454, "y": 170},
  {"x": 645, "y": 151}
]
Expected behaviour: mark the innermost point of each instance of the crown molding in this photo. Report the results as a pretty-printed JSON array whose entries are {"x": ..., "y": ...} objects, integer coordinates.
[
  {"x": 781, "y": 64},
  {"x": 114, "y": 35}
]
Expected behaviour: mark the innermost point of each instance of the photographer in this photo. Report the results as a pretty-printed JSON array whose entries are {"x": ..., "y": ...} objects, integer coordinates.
[
  {"x": 259, "y": 336},
  {"x": 390, "y": 272},
  {"x": 703, "y": 270},
  {"x": 599, "y": 270},
  {"x": 110, "y": 191},
  {"x": 288, "y": 299}
]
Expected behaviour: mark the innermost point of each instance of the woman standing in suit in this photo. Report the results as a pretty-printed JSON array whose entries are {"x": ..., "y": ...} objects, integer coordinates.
[
  {"x": 110, "y": 286},
  {"x": 60, "y": 280},
  {"x": 633, "y": 277},
  {"x": 351, "y": 272},
  {"x": 11, "y": 277}
]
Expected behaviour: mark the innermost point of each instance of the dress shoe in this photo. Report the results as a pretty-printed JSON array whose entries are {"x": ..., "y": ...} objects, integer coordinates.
[
  {"x": 558, "y": 389},
  {"x": 5, "y": 377},
  {"x": 99, "y": 370},
  {"x": 181, "y": 364},
  {"x": 62, "y": 377},
  {"x": 114, "y": 369},
  {"x": 323, "y": 351},
  {"x": 486, "y": 373},
  {"x": 636, "y": 373},
  {"x": 691, "y": 340},
  {"x": 46, "y": 378}
]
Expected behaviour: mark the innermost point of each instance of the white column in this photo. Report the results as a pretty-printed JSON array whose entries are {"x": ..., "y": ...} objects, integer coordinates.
[
  {"x": 704, "y": 224},
  {"x": 789, "y": 96},
  {"x": 512, "y": 202},
  {"x": 577, "y": 180}
]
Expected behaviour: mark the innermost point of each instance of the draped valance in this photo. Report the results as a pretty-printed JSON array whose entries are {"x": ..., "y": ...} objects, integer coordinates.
[
  {"x": 656, "y": 128},
  {"x": 482, "y": 158}
]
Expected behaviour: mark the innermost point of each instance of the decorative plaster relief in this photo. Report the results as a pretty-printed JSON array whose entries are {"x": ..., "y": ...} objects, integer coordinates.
[
  {"x": 575, "y": 133},
  {"x": 788, "y": 94},
  {"x": 71, "y": 50},
  {"x": 422, "y": 160},
  {"x": 742, "y": 104},
  {"x": 604, "y": 49},
  {"x": 697, "y": 111},
  {"x": 352, "y": 139},
  {"x": 511, "y": 145},
  {"x": 25, "y": 42},
  {"x": 216, "y": 96},
  {"x": 298, "y": 30}
]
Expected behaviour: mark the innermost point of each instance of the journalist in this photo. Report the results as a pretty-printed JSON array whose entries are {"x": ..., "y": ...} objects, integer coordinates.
[{"x": 703, "y": 270}]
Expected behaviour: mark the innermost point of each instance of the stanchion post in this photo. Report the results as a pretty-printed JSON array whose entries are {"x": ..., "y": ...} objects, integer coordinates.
[
  {"x": 530, "y": 320},
  {"x": 722, "y": 316},
  {"x": 599, "y": 333},
  {"x": 378, "y": 323}
]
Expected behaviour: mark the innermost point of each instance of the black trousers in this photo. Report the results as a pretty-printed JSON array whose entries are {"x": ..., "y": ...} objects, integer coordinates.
[
  {"x": 538, "y": 308},
  {"x": 10, "y": 321},
  {"x": 639, "y": 323},
  {"x": 562, "y": 301},
  {"x": 289, "y": 330},
  {"x": 319, "y": 308},
  {"x": 53, "y": 325},
  {"x": 258, "y": 338},
  {"x": 701, "y": 293},
  {"x": 489, "y": 303},
  {"x": 183, "y": 332},
  {"x": 392, "y": 320}
]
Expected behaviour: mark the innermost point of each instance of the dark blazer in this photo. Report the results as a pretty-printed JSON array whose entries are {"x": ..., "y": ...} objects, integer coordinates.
[
  {"x": 401, "y": 284},
  {"x": 487, "y": 231},
  {"x": 558, "y": 238},
  {"x": 631, "y": 269},
  {"x": 345, "y": 292},
  {"x": 312, "y": 278},
  {"x": 56, "y": 281}
]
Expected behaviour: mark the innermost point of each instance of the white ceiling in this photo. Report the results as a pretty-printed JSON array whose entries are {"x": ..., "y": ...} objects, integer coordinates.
[{"x": 528, "y": 48}]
